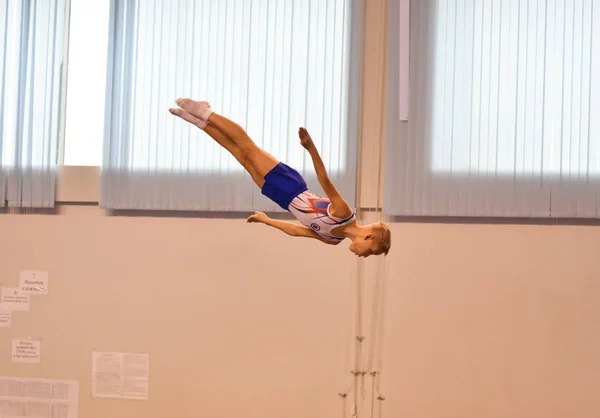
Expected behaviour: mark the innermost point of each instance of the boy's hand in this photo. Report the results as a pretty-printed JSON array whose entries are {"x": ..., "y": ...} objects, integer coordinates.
[
  {"x": 257, "y": 217},
  {"x": 305, "y": 139}
]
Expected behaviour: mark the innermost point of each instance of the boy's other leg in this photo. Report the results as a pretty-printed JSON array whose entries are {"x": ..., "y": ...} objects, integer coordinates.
[
  {"x": 262, "y": 161},
  {"x": 223, "y": 140},
  {"x": 237, "y": 152}
]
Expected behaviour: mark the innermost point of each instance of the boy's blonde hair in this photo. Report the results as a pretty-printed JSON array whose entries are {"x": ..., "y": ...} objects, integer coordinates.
[{"x": 385, "y": 236}]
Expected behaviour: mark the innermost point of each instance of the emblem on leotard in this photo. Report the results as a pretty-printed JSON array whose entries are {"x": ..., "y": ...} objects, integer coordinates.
[{"x": 315, "y": 226}]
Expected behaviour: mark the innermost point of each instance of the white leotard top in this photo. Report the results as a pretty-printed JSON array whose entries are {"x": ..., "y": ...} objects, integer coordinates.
[{"x": 313, "y": 211}]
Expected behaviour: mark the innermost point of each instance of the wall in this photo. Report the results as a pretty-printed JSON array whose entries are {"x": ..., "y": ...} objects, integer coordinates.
[
  {"x": 493, "y": 321},
  {"x": 479, "y": 320},
  {"x": 237, "y": 323}
]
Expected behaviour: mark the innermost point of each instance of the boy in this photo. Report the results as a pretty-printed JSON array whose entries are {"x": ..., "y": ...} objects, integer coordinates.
[{"x": 328, "y": 220}]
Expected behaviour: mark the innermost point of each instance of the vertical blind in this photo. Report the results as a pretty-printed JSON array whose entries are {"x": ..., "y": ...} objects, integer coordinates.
[
  {"x": 32, "y": 44},
  {"x": 269, "y": 65},
  {"x": 504, "y": 103}
]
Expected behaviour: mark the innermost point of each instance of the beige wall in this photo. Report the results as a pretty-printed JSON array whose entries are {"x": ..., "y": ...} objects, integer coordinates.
[
  {"x": 242, "y": 321},
  {"x": 235, "y": 324},
  {"x": 492, "y": 321}
]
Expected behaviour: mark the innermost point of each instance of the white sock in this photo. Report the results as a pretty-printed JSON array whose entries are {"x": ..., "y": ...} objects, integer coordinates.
[
  {"x": 205, "y": 111},
  {"x": 196, "y": 108}
]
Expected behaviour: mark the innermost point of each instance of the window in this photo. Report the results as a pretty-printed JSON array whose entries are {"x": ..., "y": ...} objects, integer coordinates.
[
  {"x": 270, "y": 66},
  {"x": 32, "y": 70},
  {"x": 513, "y": 88},
  {"x": 31, "y": 49},
  {"x": 504, "y": 110},
  {"x": 267, "y": 65},
  {"x": 86, "y": 82}
]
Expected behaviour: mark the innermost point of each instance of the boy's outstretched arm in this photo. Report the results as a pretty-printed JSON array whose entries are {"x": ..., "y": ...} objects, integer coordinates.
[
  {"x": 289, "y": 228},
  {"x": 339, "y": 206}
]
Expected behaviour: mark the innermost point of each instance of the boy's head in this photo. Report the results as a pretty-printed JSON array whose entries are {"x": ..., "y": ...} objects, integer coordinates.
[{"x": 376, "y": 241}]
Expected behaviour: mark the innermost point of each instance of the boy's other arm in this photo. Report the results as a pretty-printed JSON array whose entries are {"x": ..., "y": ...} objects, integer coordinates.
[{"x": 289, "y": 228}]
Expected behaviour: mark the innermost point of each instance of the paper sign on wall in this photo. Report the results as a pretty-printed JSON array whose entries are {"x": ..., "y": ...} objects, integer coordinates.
[
  {"x": 25, "y": 351},
  {"x": 120, "y": 375},
  {"x": 5, "y": 320},
  {"x": 20, "y": 397},
  {"x": 14, "y": 300},
  {"x": 34, "y": 282}
]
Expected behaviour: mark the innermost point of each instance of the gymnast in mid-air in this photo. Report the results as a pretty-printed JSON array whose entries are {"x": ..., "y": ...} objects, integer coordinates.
[{"x": 329, "y": 220}]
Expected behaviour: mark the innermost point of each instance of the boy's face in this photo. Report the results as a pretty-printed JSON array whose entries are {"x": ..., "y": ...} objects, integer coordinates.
[
  {"x": 370, "y": 244},
  {"x": 364, "y": 247}
]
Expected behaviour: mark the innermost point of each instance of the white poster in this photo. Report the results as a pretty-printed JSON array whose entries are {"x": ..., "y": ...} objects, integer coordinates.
[
  {"x": 5, "y": 319},
  {"x": 34, "y": 282},
  {"x": 25, "y": 351},
  {"x": 120, "y": 375},
  {"x": 21, "y": 397},
  {"x": 14, "y": 300}
]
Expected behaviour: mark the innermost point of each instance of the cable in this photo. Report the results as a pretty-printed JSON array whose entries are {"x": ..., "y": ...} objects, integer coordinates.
[
  {"x": 378, "y": 297},
  {"x": 360, "y": 370}
]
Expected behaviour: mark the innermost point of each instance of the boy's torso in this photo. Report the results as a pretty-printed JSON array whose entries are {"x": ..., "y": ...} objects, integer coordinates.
[{"x": 313, "y": 211}]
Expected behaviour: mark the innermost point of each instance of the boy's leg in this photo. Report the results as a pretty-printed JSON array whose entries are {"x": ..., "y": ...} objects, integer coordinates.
[
  {"x": 262, "y": 161},
  {"x": 225, "y": 142}
]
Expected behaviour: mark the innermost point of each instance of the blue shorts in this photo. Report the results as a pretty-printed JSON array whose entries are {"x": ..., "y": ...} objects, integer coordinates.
[{"x": 283, "y": 184}]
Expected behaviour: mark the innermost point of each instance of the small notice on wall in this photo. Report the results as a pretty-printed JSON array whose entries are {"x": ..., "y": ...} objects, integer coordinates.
[
  {"x": 34, "y": 282},
  {"x": 14, "y": 300},
  {"x": 38, "y": 398},
  {"x": 120, "y": 375},
  {"x": 5, "y": 319},
  {"x": 25, "y": 351}
]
